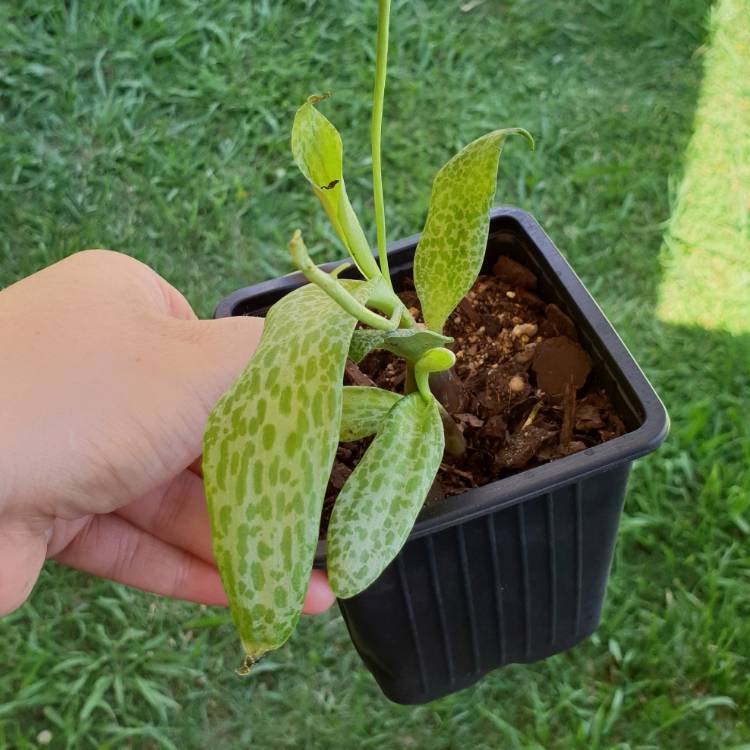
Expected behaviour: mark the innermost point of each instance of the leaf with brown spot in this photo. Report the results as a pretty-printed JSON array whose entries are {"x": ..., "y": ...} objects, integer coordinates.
[{"x": 319, "y": 153}]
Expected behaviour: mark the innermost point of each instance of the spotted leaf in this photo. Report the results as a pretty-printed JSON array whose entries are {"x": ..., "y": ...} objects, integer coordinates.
[
  {"x": 364, "y": 411},
  {"x": 407, "y": 343},
  {"x": 379, "y": 503},
  {"x": 364, "y": 340},
  {"x": 268, "y": 450},
  {"x": 318, "y": 152},
  {"x": 451, "y": 249}
]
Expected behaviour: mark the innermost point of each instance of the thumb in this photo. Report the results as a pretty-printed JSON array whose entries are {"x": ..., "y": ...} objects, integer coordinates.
[{"x": 219, "y": 351}]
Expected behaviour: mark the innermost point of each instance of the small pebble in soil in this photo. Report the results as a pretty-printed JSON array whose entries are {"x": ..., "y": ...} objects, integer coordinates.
[
  {"x": 525, "y": 329},
  {"x": 516, "y": 384}
]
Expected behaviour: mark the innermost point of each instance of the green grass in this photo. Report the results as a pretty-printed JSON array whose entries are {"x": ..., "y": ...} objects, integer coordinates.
[
  {"x": 708, "y": 239},
  {"x": 161, "y": 129}
]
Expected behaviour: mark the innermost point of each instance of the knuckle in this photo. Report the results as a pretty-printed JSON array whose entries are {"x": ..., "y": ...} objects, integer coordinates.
[
  {"x": 168, "y": 510},
  {"x": 126, "y": 554},
  {"x": 181, "y": 577}
]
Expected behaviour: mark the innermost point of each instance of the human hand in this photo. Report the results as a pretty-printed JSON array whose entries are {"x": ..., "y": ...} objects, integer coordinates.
[{"x": 106, "y": 381}]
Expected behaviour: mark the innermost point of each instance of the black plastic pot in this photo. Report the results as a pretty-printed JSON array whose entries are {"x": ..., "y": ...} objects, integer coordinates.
[{"x": 514, "y": 571}]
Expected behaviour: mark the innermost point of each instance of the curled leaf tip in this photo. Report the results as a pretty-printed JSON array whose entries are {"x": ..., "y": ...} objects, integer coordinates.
[
  {"x": 244, "y": 669},
  {"x": 315, "y": 98},
  {"x": 505, "y": 132},
  {"x": 525, "y": 133},
  {"x": 437, "y": 360}
]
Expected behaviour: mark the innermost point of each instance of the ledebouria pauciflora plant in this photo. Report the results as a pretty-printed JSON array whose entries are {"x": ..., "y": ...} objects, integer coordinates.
[{"x": 271, "y": 440}]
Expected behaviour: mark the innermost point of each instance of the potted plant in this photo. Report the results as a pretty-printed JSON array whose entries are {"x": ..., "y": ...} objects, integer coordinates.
[{"x": 512, "y": 569}]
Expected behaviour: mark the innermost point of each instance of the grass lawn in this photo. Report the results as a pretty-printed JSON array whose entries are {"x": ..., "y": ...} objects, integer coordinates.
[{"x": 161, "y": 129}]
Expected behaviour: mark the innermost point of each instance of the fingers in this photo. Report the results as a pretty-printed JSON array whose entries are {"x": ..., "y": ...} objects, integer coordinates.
[
  {"x": 319, "y": 596},
  {"x": 162, "y": 544},
  {"x": 176, "y": 514},
  {"x": 111, "y": 547},
  {"x": 21, "y": 559},
  {"x": 214, "y": 353}
]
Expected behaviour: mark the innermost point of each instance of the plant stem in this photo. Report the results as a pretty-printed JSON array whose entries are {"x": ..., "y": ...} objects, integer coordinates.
[
  {"x": 455, "y": 442},
  {"x": 331, "y": 286},
  {"x": 422, "y": 381},
  {"x": 410, "y": 384},
  {"x": 386, "y": 300},
  {"x": 436, "y": 360},
  {"x": 433, "y": 360},
  {"x": 378, "y": 94}
]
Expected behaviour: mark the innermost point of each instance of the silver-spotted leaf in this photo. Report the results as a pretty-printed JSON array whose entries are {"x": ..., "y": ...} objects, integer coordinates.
[
  {"x": 382, "y": 497},
  {"x": 364, "y": 410},
  {"x": 407, "y": 343},
  {"x": 451, "y": 249},
  {"x": 364, "y": 340},
  {"x": 268, "y": 450},
  {"x": 318, "y": 152}
]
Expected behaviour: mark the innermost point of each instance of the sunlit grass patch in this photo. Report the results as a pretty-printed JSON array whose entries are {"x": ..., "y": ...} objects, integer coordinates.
[{"x": 707, "y": 246}]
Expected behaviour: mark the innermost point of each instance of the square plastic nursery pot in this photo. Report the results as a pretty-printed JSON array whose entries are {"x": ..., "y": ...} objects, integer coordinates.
[{"x": 516, "y": 570}]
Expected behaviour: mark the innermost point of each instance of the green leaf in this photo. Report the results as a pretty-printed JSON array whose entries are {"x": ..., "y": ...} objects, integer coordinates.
[
  {"x": 451, "y": 249},
  {"x": 380, "y": 501},
  {"x": 364, "y": 411},
  {"x": 408, "y": 343},
  {"x": 364, "y": 340},
  {"x": 96, "y": 696},
  {"x": 318, "y": 152},
  {"x": 268, "y": 450},
  {"x": 159, "y": 701}
]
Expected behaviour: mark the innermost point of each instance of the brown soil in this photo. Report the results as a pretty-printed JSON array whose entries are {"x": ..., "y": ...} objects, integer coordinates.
[{"x": 520, "y": 392}]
